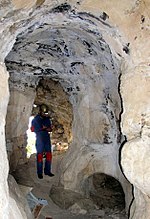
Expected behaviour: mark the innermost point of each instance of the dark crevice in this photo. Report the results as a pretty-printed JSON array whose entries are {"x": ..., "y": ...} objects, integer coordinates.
[
  {"x": 33, "y": 69},
  {"x": 105, "y": 191},
  {"x": 129, "y": 211},
  {"x": 123, "y": 138},
  {"x": 76, "y": 63},
  {"x": 126, "y": 48},
  {"x": 62, "y": 8},
  {"x": 93, "y": 16},
  {"x": 142, "y": 19},
  {"x": 104, "y": 16}
]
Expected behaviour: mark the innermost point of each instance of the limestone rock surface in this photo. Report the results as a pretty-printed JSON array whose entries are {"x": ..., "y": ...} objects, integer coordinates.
[
  {"x": 19, "y": 207},
  {"x": 4, "y": 96},
  {"x": 18, "y": 113},
  {"x": 89, "y": 47},
  {"x": 135, "y": 153}
]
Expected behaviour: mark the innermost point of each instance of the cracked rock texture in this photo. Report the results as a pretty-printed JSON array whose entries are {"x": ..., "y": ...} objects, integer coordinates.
[
  {"x": 48, "y": 92},
  {"x": 20, "y": 106},
  {"x": 98, "y": 54},
  {"x": 18, "y": 203}
]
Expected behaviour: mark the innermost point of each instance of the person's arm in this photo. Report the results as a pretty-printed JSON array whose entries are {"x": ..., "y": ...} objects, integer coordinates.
[
  {"x": 47, "y": 126},
  {"x": 49, "y": 129},
  {"x": 36, "y": 125}
]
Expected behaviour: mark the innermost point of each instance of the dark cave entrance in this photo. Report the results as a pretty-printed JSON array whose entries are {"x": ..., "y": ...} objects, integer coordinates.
[
  {"x": 51, "y": 93},
  {"x": 105, "y": 191}
]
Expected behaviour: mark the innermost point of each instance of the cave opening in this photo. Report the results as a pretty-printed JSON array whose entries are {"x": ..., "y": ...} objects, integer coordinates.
[
  {"x": 21, "y": 141},
  {"x": 105, "y": 191},
  {"x": 51, "y": 93}
]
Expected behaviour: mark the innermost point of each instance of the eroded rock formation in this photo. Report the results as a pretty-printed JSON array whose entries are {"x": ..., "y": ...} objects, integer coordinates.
[
  {"x": 89, "y": 49},
  {"x": 51, "y": 93}
]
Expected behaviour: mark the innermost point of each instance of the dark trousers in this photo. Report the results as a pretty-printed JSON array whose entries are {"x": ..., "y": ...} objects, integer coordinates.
[
  {"x": 43, "y": 147},
  {"x": 47, "y": 167}
]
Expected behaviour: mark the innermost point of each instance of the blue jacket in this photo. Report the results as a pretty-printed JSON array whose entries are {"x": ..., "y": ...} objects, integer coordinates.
[{"x": 37, "y": 126}]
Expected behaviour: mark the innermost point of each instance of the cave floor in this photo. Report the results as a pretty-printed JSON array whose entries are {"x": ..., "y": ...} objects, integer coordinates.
[{"x": 25, "y": 175}]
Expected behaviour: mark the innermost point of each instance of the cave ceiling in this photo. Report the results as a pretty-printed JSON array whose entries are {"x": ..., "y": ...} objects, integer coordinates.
[
  {"x": 65, "y": 46},
  {"x": 69, "y": 47}
]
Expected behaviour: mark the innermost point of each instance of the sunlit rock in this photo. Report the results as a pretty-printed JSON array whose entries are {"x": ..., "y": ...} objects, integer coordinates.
[
  {"x": 19, "y": 207},
  {"x": 98, "y": 53}
]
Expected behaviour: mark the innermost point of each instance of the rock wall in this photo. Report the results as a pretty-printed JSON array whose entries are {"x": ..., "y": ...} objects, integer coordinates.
[
  {"x": 135, "y": 154},
  {"x": 4, "y": 201},
  {"x": 18, "y": 113},
  {"x": 93, "y": 96},
  {"x": 8, "y": 206},
  {"x": 18, "y": 204}
]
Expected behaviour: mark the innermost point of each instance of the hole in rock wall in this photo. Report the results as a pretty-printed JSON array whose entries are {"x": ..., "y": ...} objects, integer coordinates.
[
  {"x": 51, "y": 94},
  {"x": 105, "y": 191},
  {"x": 21, "y": 110}
]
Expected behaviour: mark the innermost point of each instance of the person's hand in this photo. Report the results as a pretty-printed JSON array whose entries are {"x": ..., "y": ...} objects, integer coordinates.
[{"x": 49, "y": 129}]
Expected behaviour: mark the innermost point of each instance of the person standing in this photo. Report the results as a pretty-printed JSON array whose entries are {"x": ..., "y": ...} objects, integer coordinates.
[{"x": 41, "y": 125}]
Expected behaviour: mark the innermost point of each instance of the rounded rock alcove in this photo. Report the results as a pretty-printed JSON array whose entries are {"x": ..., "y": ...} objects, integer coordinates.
[{"x": 105, "y": 191}]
